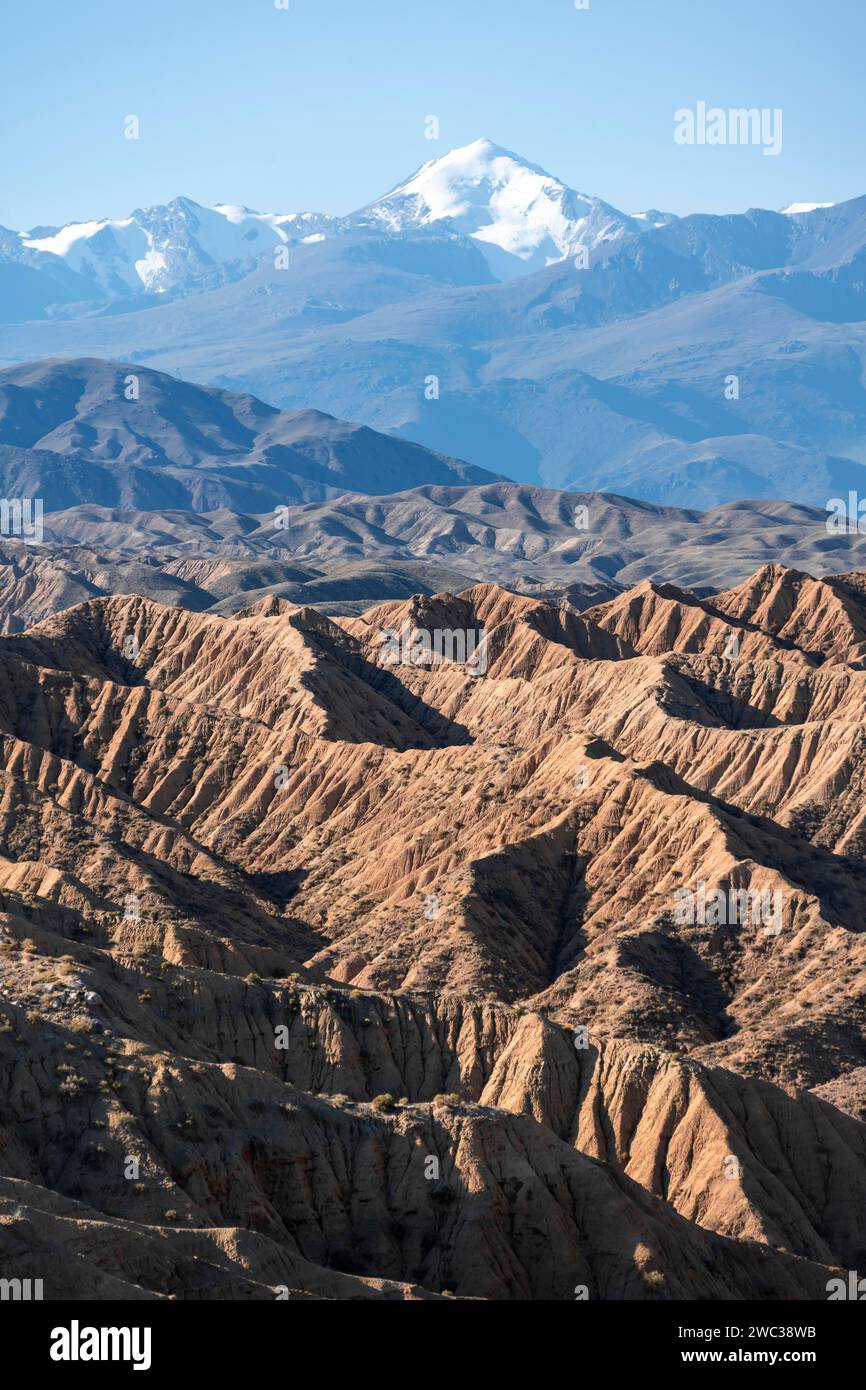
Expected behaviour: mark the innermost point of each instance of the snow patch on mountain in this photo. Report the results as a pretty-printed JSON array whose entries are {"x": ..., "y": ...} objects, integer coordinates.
[
  {"x": 522, "y": 217},
  {"x": 105, "y": 252},
  {"x": 796, "y": 208},
  {"x": 653, "y": 218}
]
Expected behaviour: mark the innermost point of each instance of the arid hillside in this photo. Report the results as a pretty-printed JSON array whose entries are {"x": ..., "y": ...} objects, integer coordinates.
[
  {"x": 471, "y": 947},
  {"x": 345, "y": 555}
]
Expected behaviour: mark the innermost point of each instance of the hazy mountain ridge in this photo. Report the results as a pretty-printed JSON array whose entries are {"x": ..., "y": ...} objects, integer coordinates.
[
  {"x": 681, "y": 360},
  {"x": 103, "y": 433}
]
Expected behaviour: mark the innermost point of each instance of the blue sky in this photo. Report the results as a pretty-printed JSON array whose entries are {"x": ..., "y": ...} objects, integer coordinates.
[{"x": 322, "y": 107}]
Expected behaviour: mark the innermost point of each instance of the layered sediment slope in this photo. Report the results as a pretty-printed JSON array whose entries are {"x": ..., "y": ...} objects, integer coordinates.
[{"x": 336, "y": 968}]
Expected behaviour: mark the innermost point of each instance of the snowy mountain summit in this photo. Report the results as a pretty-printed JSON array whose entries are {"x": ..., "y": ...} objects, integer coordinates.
[
  {"x": 522, "y": 217},
  {"x": 174, "y": 247}
]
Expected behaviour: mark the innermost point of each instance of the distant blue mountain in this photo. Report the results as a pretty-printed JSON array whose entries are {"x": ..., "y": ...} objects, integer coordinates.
[
  {"x": 117, "y": 435},
  {"x": 687, "y": 361}
]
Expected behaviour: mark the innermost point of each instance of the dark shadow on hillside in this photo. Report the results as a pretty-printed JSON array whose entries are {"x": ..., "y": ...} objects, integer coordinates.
[{"x": 397, "y": 718}]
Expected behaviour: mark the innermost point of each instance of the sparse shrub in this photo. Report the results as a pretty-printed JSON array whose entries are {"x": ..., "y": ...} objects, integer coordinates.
[
  {"x": 383, "y": 1102},
  {"x": 73, "y": 1085}
]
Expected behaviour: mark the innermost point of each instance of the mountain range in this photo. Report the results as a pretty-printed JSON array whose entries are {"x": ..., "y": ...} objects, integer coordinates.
[
  {"x": 488, "y": 312},
  {"x": 518, "y": 217},
  {"x": 111, "y": 434},
  {"x": 209, "y": 499},
  {"x": 345, "y": 555}
]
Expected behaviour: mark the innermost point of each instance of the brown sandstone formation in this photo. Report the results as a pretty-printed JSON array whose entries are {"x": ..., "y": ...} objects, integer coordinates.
[{"x": 436, "y": 882}]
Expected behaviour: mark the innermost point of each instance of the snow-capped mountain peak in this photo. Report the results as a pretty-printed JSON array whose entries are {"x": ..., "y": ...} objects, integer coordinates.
[
  {"x": 106, "y": 251},
  {"x": 171, "y": 247},
  {"x": 521, "y": 216},
  {"x": 455, "y": 184}
]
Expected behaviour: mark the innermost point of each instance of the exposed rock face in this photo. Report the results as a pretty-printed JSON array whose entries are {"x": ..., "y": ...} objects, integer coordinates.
[{"x": 329, "y": 974}]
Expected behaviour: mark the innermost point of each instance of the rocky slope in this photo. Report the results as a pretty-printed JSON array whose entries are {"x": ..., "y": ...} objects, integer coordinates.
[
  {"x": 328, "y": 973},
  {"x": 343, "y": 556}
]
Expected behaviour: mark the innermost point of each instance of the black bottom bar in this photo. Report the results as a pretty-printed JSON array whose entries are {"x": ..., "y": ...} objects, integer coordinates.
[{"x": 244, "y": 1339}]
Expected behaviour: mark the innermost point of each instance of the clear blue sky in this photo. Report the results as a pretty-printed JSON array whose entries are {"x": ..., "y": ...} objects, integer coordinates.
[{"x": 322, "y": 107}]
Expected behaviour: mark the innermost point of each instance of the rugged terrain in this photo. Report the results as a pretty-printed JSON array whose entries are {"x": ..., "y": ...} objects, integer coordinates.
[
  {"x": 324, "y": 976},
  {"x": 344, "y": 555},
  {"x": 211, "y": 500}
]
